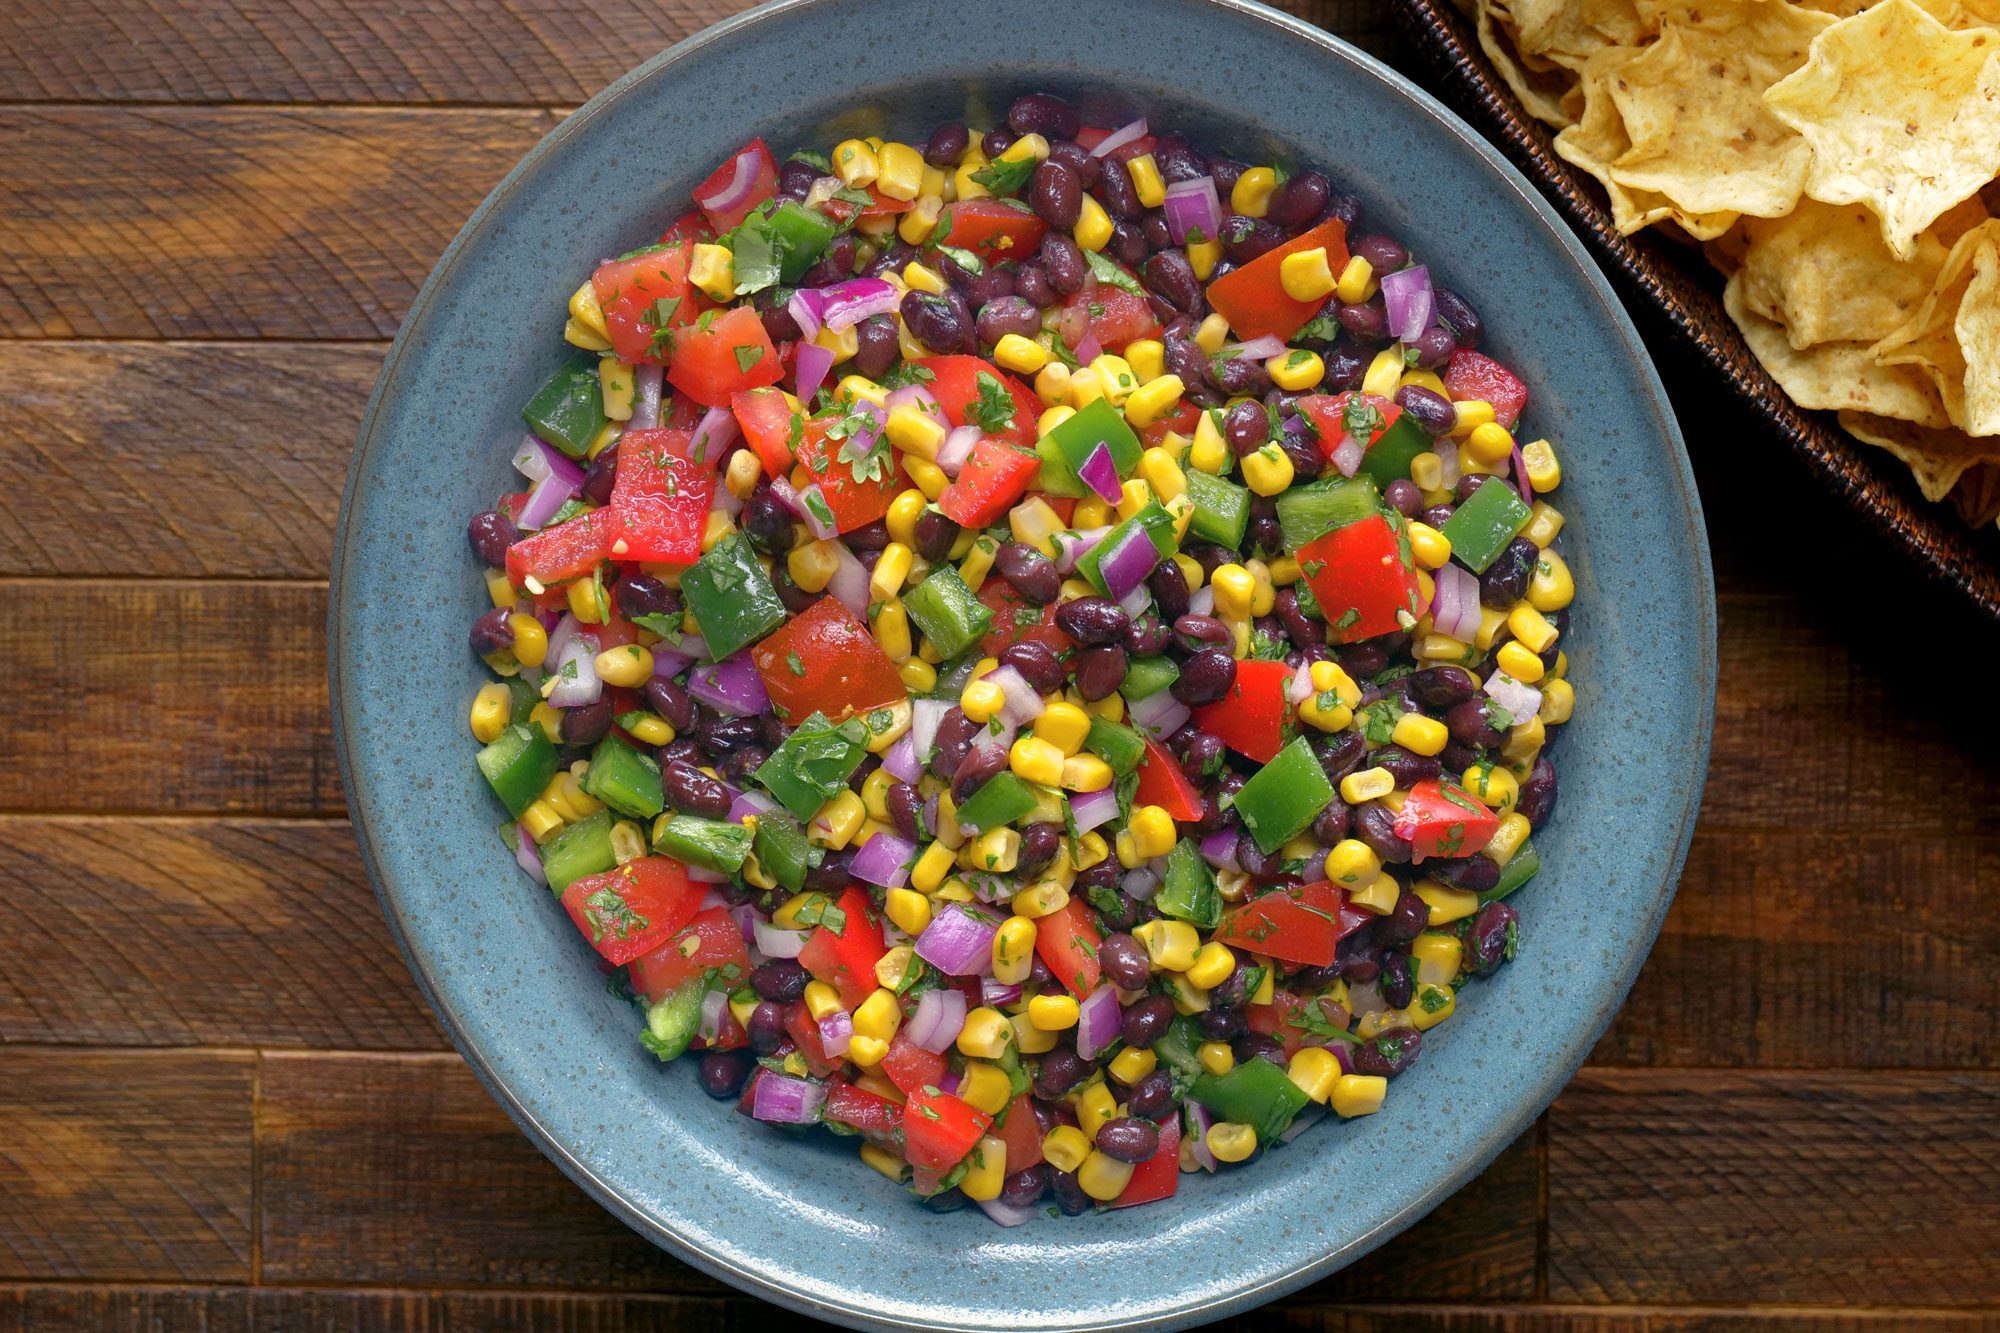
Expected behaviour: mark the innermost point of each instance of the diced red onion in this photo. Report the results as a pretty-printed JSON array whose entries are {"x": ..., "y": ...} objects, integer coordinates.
[
  {"x": 1257, "y": 349},
  {"x": 1140, "y": 884},
  {"x": 1101, "y": 474},
  {"x": 1408, "y": 301},
  {"x": 1199, "y": 1122},
  {"x": 750, "y": 803},
  {"x": 1135, "y": 602},
  {"x": 1117, "y": 139},
  {"x": 958, "y": 942},
  {"x": 1023, "y": 705},
  {"x": 849, "y": 584},
  {"x": 848, "y": 303},
  {"x": 783, "y": 492},
  {"x": 939, "y": 1018},
  {"x": 1307, "y": 1118},
  {"x": 556, "y": 480},
  {"x": 994, "y": 994},
  {"x": 537, "y": 460},
  {"x": 1159, "y": 715},
  {"x": 1007, "y": 1214},
  {"x": 714, "y": 1005},
  {"x": 1092, "y": 808},
  {"x": 925, "y": 714},
  {"x": 703, "y": 875},
  {"x": 1126, "y": 565},
  {"x": 1201, "y": 601},
  {"x": 836, "y": 1030},
  {"x": 714, "y": 434},
  {"x": 1523, "y": 701},
  {"x": 1219, "y": 850},
  {"x": 805, "y": 308},
  {"x": 1455, "y": 612},
  {"x": 989, "y": 887},
  {"x": 917, "y": 396},
  {"x": 957, "y": 447},
  {"x": 736, "y": 191},
  {"x": 1365, "y": 997},
  {"x": 697, "y": 647},
  {"x": 885, "y": 860},
  {"x": 711, "y": 898},
  {"x": 1193, "y": 206},
  {"x": 545, "y": 498},
  {"x": 1347, "y": 457},
  {"x": 646, "y": 379},
  {"x": 1300, "y": 687},
  {"x": 1450, "y": 468},
  {"x": 1089, "y": 349},
  {"x": 821, "y": 190},
  {"x": 1074, "y": 546},
  {"x": 777, "y": 942},
  {"x": 1098, "y": 1021},
  {"x": 565, "y": 629},
  {"x": 810, "y": 369},
  {"x": 901, "y": 763},
  {"x": 732, "y": 687},
  {"x": 745, "y": 916},
  {"x": 1521, "y": 478},
  {"x": 528, "y": 856},
  {"x": 726, "y": 501},
  {"x": 784, "y": 1100},
  {"x": 576, "y": 674},
  {"x": 951, "y": 1083},
  {"x": 818, "y": 523}
]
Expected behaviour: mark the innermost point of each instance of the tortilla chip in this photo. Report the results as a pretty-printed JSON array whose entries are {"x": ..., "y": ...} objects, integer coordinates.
[
  {"x": 1693, "y": 107},
  {"x": 1547, "y": 96},
  {"x": 1834, "y": 377},
  {"x": 1954, "y": 336},
  {"x": 1936, "y": 458},
  {"x": 1977, "y": 495},
  {"x": 1568, "y": 32},
  {"x": 1598, "y": 139},
  {"x": 1903, "y": 115}
]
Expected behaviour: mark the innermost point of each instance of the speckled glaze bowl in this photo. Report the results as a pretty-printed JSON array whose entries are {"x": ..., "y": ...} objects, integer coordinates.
[{"x": 804, "y": 1224}]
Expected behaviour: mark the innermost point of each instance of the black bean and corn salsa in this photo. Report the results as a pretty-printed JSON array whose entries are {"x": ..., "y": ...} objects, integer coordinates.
[{"x": 1034, "y": 651}]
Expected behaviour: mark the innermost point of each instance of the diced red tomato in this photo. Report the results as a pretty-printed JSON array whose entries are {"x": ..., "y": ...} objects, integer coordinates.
[
  {"x": 911, "y": 1067},
  {"x": 1158, "y": 1176},
  {"x": 729, "y": 1036},
  {"x": 628, "y": 911},
  {"x": 855, "y": 504},
  {"x": 1022, "y": 1134},
  {"x": 1471, "y": 375},
  {"x": 995, "y": 229},
  {"x": 660, "y": 501},
  {"x": 1015, "y": 618},
  {"x": 1282, "y": 1018},
  {"x": 680, "y": 412},
  {"x": 1442, "y": 819},
  {"x": 805, "y": 1035},
  {"x": 878, "y": 1119},
  {"x": 1090, "y": 136},
  {"x": 1363, "y": 575},
  {"x": 566, "y": 551},
  {"x": 991, "y": 479},
  {"x": 1181, "y": 421},
  {"x": 825, "y": 659},
  {"x": 939, "y": 1129},
  {"x": 711, "y": 939},
  {"x": 845, "y": 959},
  {"x": 1250, "y": 718},
  {"x": 1067, "y": 941},
  {"x": 880, "y": 206},
  {"x": 747, "y": 179},
  {"x": 1327, "y": 412},
  {"x": 1303, "y": 925},
  {"x": 1114, "y": 316},
  {"x": 731, "y": 355},
  {"x": 1162, "y": 783},
  {"x": 646, "y": 299},
  {"x": 766, "y": 420},
  {"x": 691, "y": 226},
  {"x": 1254, "y": 300},
  {"x": 956, "y": 384}
]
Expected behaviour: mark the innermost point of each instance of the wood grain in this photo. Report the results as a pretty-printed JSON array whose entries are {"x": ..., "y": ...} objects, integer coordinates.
[
  {"x": 155, "y": 460},
  {"x": 171, "y": 933},
  {"x": 129, "y": 1166},
  {"x": 1838, "y": 1188},
  {"x": 178, "y": 697},
  {"x": 203, "y": 222}
]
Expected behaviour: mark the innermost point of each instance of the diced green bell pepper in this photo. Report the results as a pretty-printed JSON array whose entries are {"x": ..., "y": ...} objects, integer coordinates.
[
  {"x": 1180, "y": 1045},
  {"x": 731, "y": 596},
  {"x": 624, "y": 779},
  {"x": 1147, "y": 676},
  {"x": 1154, "y": 520},
  {"x": 1116, "y": 744},
  {"x": 1221, "y": 509},
  {"x": 1003, "y": 799},
  {"x": 1188, "y": 892},
  {"x": 1484, "y": 523},
  {"x": 568, "y": 411},
  {"x": 1518, "y": 871},
  {"x": 1307, "y": 512},
  {"x": 704, "y": 842},
  {"x": 1256, "y": 1093},
  {"x": 1077, "y": 437},
  {"x": 1388, "y": 459},
  {"x": 518, "y": 765},
  {"x": 800, "y": 237},
  {"x": 814, "y": 764},
  {"x": 521, "y": 700},
  {"x": 782, "y": 849},
  {"x": 947, "y": 613},
  {"x": 1284, "y": 796},
  {"x": 584, "y": 848},
  {"x": 672, "y": 1023}
]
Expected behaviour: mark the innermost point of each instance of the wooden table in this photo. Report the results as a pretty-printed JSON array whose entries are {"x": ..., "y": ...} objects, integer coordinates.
[{"x": 222, "y": 1104}]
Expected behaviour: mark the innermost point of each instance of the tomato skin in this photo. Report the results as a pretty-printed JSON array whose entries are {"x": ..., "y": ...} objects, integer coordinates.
[
  {"x": 1470, "y": 375},
  {"x": 1253, "y": 299},
  {"x": 1090, "y": 136},
  {"x": 1067, "y": 941},
  {"x": 653, "y": 896},
  {"x": 1162, "y": 783},
  {"x": 1275, "y": 1019},
  {"x": 992, "y": 228},
  {"x": 955, "y": 384},
  {"x": 939, "y": 1129},
  {"x": 570, "y": 549},
  {"x": 764, "y": 184},
  {"x": 805, "y": 1035},
  {"x": 879, "y": 1120},
  {"x": 1114, "y": 316},
  {"x": 1015, "y": 618},
  {"x": 846, "y": 961},
  {"x": 993, "y": 477},
  {"x": 732, "y": 355},
  {"x": 690, "y": 226},
  {"x": 1303, "y": 925},
  {"x": 660, "y": 501},
  {"x": 1022, "y": 1134},
  {"x": 627, "y": 290},
  {"x": 1181, "y": 421},
  {"x": 1363, "y": 575},
  {"x": 1158, "y": 1176},
  {"x": 1444, "y": 821},
  {"x": 718, "y": 943},
  {"x": 1250, "y": 718},
  {"x": 1325, "y": 412},
  {"x": 855, "y": 504},
  {"x": 910, "y": 1067},
  {"x": 766, "y": 421},
  {"x": 841, "y": 669}
]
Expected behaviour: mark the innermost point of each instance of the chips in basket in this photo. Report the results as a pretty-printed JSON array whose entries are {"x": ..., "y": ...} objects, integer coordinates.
[{"x": 1836, "y": 159}]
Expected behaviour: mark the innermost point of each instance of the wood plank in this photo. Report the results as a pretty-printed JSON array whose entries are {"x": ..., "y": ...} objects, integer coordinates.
[
  {"x": 235, "y": 223},
  {"x": 117, "y": 1165},
  {"x": 137, "y": 932},
  {"x": 157, "y": 460},
  {"x": 1689, "y": 1187},
  {"x": 500, "y": 52},
  {"x": 178, "y": 697}
]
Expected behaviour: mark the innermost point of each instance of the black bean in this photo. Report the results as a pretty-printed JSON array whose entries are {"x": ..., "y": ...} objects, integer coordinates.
[
  {"x": 1170, "y": 591},
  {"x": 1538, "y": 794},
  {"x": 1488, "y": 941},
  {"x": 1124, "y": 960},
  {"x": 1185, "y": 358},
  {"x": 1170, "y": 276},
  {"x": 1202, "y": 758},
  {"x": 767, "y": 1026},
  {"x": 1434, "y": 347},
  {"x": 795, "y": 179},
  {"x": 867, "y": 539},
  {"x": 1307, "y": 460},
  {"x": 742, "y": 764},
  {"x": 1404, "y": 497},
  {"x": 601, "y": 477},
  {"x": 1505, "y": 581},
  {"x": 1039, "y": 845},
  {"x": 1389, "y": 1054},
  {"x": 1031, "y": 284},
  {"x": 1385, "y": 254},
  {"x": 1471, "y": 723},
  {"x": 1247, "y": 428},
  {"x": 1128, "y": 1139},
  {"x": 1431, "y": 410},
  {"x": 1031, "y": 573},
  {"x": 1438, "y": 515},
  {"x": 947, "y": 144},
  {"x": 1467, "y": 484},
  {"x": 1146, "y": 1021},
  {"x": 1246, "y": 238},
  {"x": 1226, "y": 172},
  {"x": 1176, "y": 159},
  {"x": 1091, "y": 620},
  {"x": 491, "y": 533},
  {"x": 1025, "y": 1187},
  {"x": 1346, "y": 366},
  {"x": 1376, "y": 825},
  {"x": 587, "y": 724},
  {"x": 693, "y": 792},
  {"x": 1061, "y": 1069},
  {"x": 1459, "y": 316},
  {"x": 1362, "y": 660},
  {"x": 681, "y": 749},
  {"x": 937, "y": 322},
  {"x": 1115, "y": 188},
  {"x": 1476, "y": 873},
  {"x": 1256, "y": 1046},
  {"x": 1346, "y": 208},
  {"x": 1196, "y": 632},
  {"x": 836, "y": 263},
  {"x": 1265, "y": 534},
  {"x": 780, "y": 979},
  {"x": 1152, "y": 1096},
  {"x": 1242, "y": 376},
  {"x": 492, "y": 632},
  {"x": 1004, "y": 315},
  {"x": 722, "y": 1073},
  {"x": 1044, "y": 114},
  {"x": 1365, "y": 321},
  {"x": 1055, "y": 194},
  {"x": 726, "y": 735},
  {"x": 906, "y": 811},
  {"x": 981, "y": 762},
  {"x": 795, "y": 598},
  {"x": 1222, "y": 1024},
  {"x": 936, "y": 535},
  {"x": 1442, "y": 686},
  {"x": 1397, "y": 982},
  {"x": 876, "y": 346},
  {"x": 1128, "y": 244},
  {"x": 894, "y": 258},
  {"x": 1406, "y": 920},
  {"x": 1148, "y": 636},
  {"x": 1099, "y": 671},
  {"x": 834, "y": 871},
  {"x": 1330, "y": 825},
  {"x": 1300, "y": 200},
  {"x": 1063, "y": 260},
  {"x": 1078, "y": 159},
  {"x": 1205, "y": 677},
  {"x": 1069, "y": 1193},
  {"x": 671, "y": 702},
  {"x": 1232, "y": 992},
  {"x": 1154, "y": 228},
  {"x": 1256, "y": 862},
  {"x": 997, "y": 141},
  {"x": 768, "y": 523},
  {"x": 1406, "y": 767},
  {"x": 1038, "y": 664}
]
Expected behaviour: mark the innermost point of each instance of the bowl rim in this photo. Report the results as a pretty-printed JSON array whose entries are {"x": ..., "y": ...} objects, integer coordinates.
[{"x": 772, "y": 1286}]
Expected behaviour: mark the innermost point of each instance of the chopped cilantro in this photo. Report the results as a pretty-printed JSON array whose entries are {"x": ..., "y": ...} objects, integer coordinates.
[
  {"x": 1107, "y": 271},
  {"x": 1005, "y": 177},
  {"x": 993, "y": 411},
  {"x": 747, "y": 357}
]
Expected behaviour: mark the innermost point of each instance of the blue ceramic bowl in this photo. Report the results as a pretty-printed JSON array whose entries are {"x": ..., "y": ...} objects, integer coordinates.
[{"x": 805, "y": 1224}]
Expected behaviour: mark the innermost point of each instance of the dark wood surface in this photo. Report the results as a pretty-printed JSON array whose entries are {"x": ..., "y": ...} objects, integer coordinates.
[{"x": 223, "y": 1105}]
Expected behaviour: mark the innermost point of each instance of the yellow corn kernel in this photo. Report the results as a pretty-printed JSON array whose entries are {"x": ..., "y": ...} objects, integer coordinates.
[
  {"x": 1431, "y": 1005},
  {"x": 1013, "y": 950},
  {"x": 1551, "y": 587},
  {"x": 922, "y": 278},
  {"x": 1490, "y": 442},
  {"x": 1216, "y": 1057},
  {"x": 1324, "y": 711},
  {"x": 837, "y": 821},
  {"x": 1515, "y": 659},
  {"x": 491, "y": 709},
  {"x": 1034, "y": 523},
  {"x": 985, "y": 1034},
  {"x": 1437, "y": 955},
  {"x": 743, "y": 473},
  {"x": 500, "y": 592},
  {"x": 1431, "y": 548},
  {"x": 954, "y": 890},
  {"x": 910, "y": 910},
  {"x": 866, "y": 1051},
  {"x": 1027, "y": 148},
  {"x": 811, "y": 565},
  {"x": 1545, "y": 521},
  {"x": 1447, "y": 904},
  {"x": 1115, "y": 377},
  {"x": 904, "y": 513},
  {"x": 605, "y": 438},
  {"x": 1023, "y": 356},
  {"x": 918, "y": 676},
  {"x": 1251, "y": 195},
  {"x": 887, "y": 725},
  {"x": 1052, "y": 1013},
  {"x": 1379, "y": 896},
  {"x": 1147, "y": 183},
  {"x": 998, "y": 850},
  {"x": 576, "y": 335},
  {"x": 1147, "y": 357},
  {"x": 629, "y": 844},
  {"x": 1357, "y": 281},
  {"x": 1044, "y": 898},
  {"x": 1263, "y": 590},
  {"x": 1297, "y": 370},
  {"x": 931, "y": 868},
  {"x": 1203, "y": 256},
  {"x": 1509, "y": 837},
  {"x": 855, "y": 163},
  {"x": 627, "y": 666},
  {"x": 985, "y": 1087},
  {"x": 986, "y": 1165},
  {"x": 915, "y": 431},
  {"x": 1132, "y": 1064},
  {"x": 892, "y": 630},
  {"x": 822, "y": 1000},
  {"x": 1427, "y": 471},
  {"x": 1086, "y": 773},
  {"x": 928, "y": 476},
  {"x": 1232, "y": 1142},
  {"x": 1351, "y": 862},
  {"x": 1366, "y": 785},
  {"x": 719, "y": 525},
  {"x": 1154, "y": 830},
  {"x": 861, "y": 389},
  {"x": 1558, "y": 703},
  {"x": 1544, "y": 469},
  {"x": 1268, "y": 471},
  {"x": 1091, "y": 849},
  {"x": 540, "y": 820},
  {"x": 899, "y": 171},
  {"x": 982, "y": 700},
  {"x": 1306, "y": 275},
  {"x": 585, "y": 310},
  {"x": 1419, "y": 734},
  {"x": 1170, "y": 944},
  {"x": 1490, "y": 624},
  {"x": 1093, "y": 226},
  {"x": 892, "y": 567},
  {"x": 1524, "y": 742},
  {"x": 1095, "y": 1107},
  {"x": 713, "y": 270},
  {"x": 1064, "y": 726},
  {"x": 1153, "y": 400},
  {"x": 1157, "y": 467},
  {"x": 916, "y": 225},
  {"x": 548, "y": 719},
  {"x": 1468, "y": 415},
  {"x": 587, "y": 603},
  {"x": 652, "y": 730},
  {"x": 1029, "y": 1039},
  {"x": 1426, "y": 379},
  {"x": 843, "y": 343},
  {"x": 1188, "y": 998},
  {"x": 1035, "y": 760},
  {"x": 1531, "y": 627},
  {"x": 1212, "y": 965},
  {"x": 1314, "y": 1070},
  {"x": 878, "y": 1016},
  {"x": 1384, "y": 373},
  {"x": 1233, "y": 589},
  {"x": 1065, "y": 1147},
  {"x": 615, "y": 387},
  {"x": 1209, "y": 452},
  {"x": 1359, "y": 1094},
  {"x": 1495, "y": 787}
]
